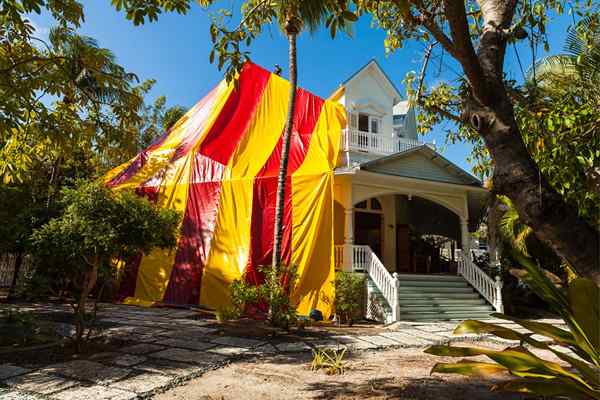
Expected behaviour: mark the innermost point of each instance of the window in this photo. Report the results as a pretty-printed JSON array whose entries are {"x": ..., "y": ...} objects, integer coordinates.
[
  {"x": 362, "y": 204},
  {"x": 375, "y": 204},
  {"x": 369, "y": 123},
  {"x": 399, "y": 119},
  {"x": 363, "y": 122},
  {"x": 374, "y": 125}
]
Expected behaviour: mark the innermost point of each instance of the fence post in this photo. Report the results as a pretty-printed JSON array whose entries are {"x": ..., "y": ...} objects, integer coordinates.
[
  {"x": 396, "y": 305},
  {"x": 499, "y": 306}
]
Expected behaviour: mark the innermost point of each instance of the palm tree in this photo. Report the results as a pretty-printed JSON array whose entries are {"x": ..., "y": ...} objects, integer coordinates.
[
  {"x": 293, "y": 16},
  {"x": 578, "y": 68}
]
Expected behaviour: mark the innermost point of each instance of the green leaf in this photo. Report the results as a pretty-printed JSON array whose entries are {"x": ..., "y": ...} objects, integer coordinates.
[
  {"x": 584, "y": 302},
  {"x": 541, "y": 328},
  {"x": 472, "y": 326},
  {"x": 349, "y": 16},
  {"x": 542, "y": 387},
  {"x": 469, "y": 368}
]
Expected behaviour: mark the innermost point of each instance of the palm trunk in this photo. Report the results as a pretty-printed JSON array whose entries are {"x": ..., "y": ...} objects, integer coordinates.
[{"x": 285, "y": 151}]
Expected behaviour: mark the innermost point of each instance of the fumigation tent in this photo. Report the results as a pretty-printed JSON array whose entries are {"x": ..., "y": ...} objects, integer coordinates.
[{"x": 218, "y": 166}]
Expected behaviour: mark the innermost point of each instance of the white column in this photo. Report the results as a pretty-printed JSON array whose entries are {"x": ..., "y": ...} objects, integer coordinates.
[
  {"x": 348, "y": 238},
  {"x": 465, "y": 237}
]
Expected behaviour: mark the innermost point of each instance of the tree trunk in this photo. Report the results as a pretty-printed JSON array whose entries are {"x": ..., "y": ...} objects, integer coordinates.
[
  {"x": 15, "y": 278},
  {"x": 490, "y": 111},
  {"x": 89, "y": 282},
  {"x": 292, "y": 33}
]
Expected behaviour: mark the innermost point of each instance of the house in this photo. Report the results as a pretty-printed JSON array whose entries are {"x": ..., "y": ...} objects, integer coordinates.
[
  {"x": 402, "y": 210},
  {"x": 364, "y": 196}
]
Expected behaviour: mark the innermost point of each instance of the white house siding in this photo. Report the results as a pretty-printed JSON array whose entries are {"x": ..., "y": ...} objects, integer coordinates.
[{"x": 417, "y": 166}]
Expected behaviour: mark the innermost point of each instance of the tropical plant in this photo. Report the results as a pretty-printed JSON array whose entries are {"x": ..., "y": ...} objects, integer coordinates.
[
  {"x": 576, "y": 70},
  {"x": 349, "y": 295},
  {"x": 578, "y": 347},
  {"x": 97, "y": 227},
  {"x": 331, "y": 360}
]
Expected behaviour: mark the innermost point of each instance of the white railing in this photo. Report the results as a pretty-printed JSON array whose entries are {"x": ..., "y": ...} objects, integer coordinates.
[
  {"x": 364, "y": 260},
  {"x": 489, "y": 288},
  {"x": 377, "y": 143},
  {"x": 338, "y": 256}
]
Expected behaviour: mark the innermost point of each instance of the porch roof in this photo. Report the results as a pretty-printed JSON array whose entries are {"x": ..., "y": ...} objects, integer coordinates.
[{"x": 421, "y": 162}]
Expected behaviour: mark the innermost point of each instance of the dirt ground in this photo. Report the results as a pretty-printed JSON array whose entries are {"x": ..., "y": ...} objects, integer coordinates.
[{"x": 391, "y": 374}]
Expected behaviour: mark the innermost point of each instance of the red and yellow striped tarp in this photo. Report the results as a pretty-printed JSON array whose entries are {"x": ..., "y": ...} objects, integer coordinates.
[{"x": 218, "y": 165}]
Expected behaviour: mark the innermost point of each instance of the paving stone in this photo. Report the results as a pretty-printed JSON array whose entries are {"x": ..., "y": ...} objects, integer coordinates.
[
  {"x": 128, "y": 360},
  {"x": 187, "y": 344},
  {"x": 228, "y": 350},
  {"x": 168, "y": 367},
  {"x": 40, "y": 383},
  {"x": 87, "y": 371},
  {"x": 237, "y": 341},
  {"x": 406, "y": 340},
  {"x": 9, "y": 370},
  {"x": 416, "y": 333},
  {"x": 379, "y": 341},
  {"x": 143, "y": 383},
  {"x": 292, "y": 347},
  {"x": 16, "y": 395},
  {"x": 143, "y": 348},
  {"x": 433, "y": 328},
  {"x": 197, "y": 357},
  {"x": 190, "y": 332},
  {"x": 265, "y": 349},
  {"x": 95, "y": 392}
]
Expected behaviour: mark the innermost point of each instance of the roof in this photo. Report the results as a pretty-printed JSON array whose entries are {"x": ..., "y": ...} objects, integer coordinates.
[
  {"x": 376, "y": 64},
  {"x": 432, "y": 155},
  {"x": 402, "y": 108}
]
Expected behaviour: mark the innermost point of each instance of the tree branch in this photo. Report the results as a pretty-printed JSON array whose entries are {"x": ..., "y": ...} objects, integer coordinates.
[{"x": 465, "y": 53}]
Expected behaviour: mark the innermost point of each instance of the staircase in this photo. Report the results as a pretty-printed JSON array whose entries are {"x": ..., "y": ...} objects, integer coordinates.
[
  {"x": 471, "y": 294},
  {"x": 439, "y": 297}
]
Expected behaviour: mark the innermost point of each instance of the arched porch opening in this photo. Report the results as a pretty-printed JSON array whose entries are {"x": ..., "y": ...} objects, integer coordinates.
[{"x": 409, "y": 233}]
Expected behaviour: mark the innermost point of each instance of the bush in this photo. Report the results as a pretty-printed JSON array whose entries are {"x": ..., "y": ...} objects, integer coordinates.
[
  {"x": 79, "y": 248},
  {"x": 274, "y": 293},
  {"x": 349, "y": 295}
]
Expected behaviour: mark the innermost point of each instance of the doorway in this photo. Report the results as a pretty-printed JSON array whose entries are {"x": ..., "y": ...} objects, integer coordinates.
[{"x": 368, "y": 231}]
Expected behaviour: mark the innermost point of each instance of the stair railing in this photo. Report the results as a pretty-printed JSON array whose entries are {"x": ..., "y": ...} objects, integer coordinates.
[
  {"x": 363, "y": 259},
  {"x": 489, "y": 288}
]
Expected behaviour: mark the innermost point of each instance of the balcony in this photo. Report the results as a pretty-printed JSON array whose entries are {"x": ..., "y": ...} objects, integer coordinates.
[{"x": 376, "y": 143}]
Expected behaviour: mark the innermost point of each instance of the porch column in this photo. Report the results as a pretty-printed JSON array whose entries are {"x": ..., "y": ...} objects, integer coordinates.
[
  {"x": 465, "y": 237},
  {"x": 348, "y": 238}
]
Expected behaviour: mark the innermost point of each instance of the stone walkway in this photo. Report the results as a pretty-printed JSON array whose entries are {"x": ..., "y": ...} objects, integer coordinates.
[{"x": 166, "y": 347}]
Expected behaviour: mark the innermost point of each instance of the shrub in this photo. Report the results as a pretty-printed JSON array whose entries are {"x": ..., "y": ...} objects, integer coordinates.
[
  {"x": 97, "y": 227},
  {"x": 273, "y": 293},
  {"x": 349, "y": 295},
  {"x": 579, "y": 307}
]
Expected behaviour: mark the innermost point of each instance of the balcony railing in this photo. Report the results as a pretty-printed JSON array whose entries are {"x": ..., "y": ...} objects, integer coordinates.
[{"x": 377, "y": 143}]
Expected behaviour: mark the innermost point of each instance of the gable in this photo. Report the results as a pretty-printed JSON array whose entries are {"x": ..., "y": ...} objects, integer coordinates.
[
  {"x": 420, "y": 166},
  {"x": 372, "y": 76}
]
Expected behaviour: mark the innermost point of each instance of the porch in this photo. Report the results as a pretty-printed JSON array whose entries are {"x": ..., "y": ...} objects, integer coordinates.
[{"x": 413, "y": 238}]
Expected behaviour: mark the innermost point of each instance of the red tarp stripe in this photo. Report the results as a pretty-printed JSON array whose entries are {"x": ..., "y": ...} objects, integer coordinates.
[
  {"x": 306, "y": 114},
  {"x": 213, "y": 155}
]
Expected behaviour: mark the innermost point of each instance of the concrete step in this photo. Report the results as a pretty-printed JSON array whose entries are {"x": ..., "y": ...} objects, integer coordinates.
[
  {"x": 448, "y": 295},
  {"x": 440, "y": 316},
  {"x": 417, "y": 301},
  {"x": 431, "y": 277},
  {"x": 435, "y": 308},
  {"x": 432, "y": 283},
  {"x": 435, "y": 289}
]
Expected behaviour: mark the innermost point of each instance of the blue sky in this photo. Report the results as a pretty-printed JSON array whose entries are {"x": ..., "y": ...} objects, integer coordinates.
[{"x": 174, "y": 51}]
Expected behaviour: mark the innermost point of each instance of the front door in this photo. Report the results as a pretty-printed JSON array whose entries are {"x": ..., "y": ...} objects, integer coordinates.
[{"x": 367, "y": 231}]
